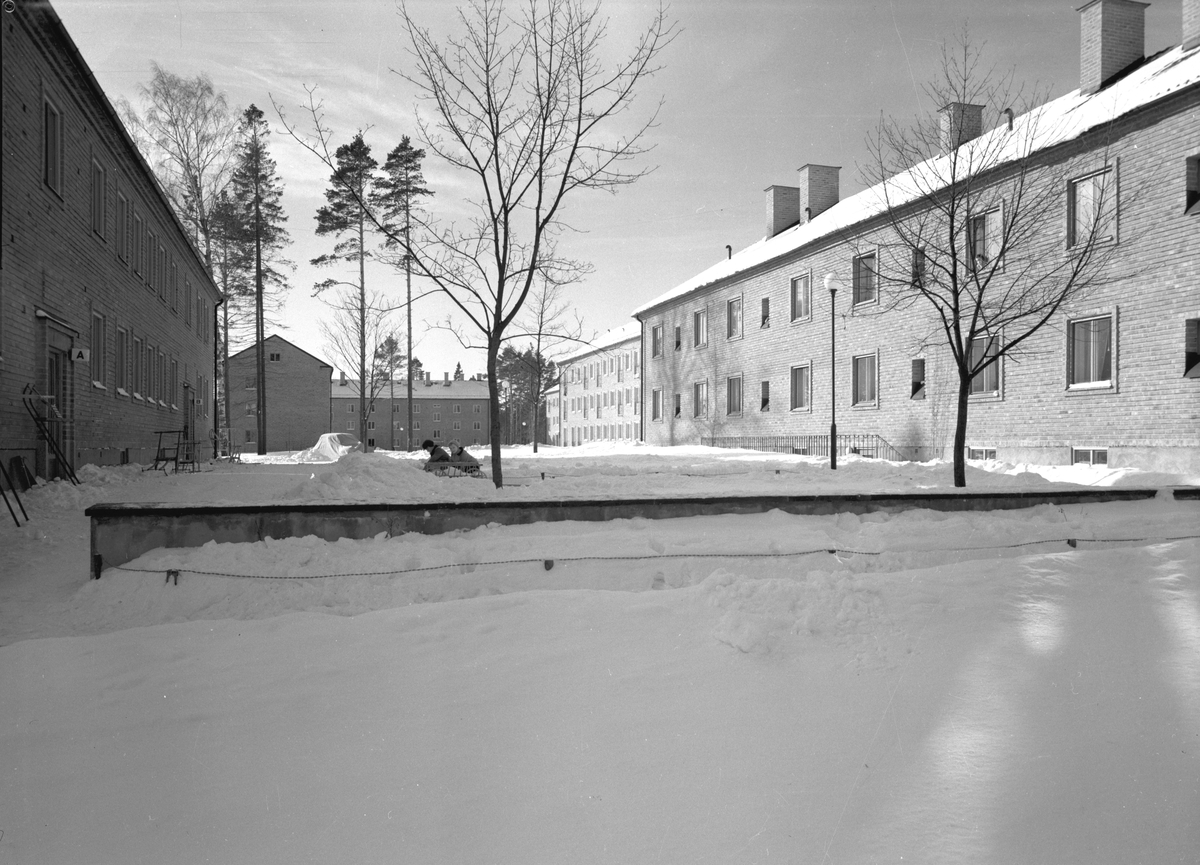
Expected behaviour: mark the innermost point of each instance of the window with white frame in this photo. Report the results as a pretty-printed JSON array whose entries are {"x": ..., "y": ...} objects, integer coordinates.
[
  {"x": 99, "y": 349},
  {"x": 1092, "y": 209},
  {"x": 733, "y": 395},
  {"x": 457, "y": 424},
  {"x": 801, "y": 298},
  {"x": 801, "y": 388},
  {"x": 52, "y": 146},
  {"x": 1089, "y": 352},
  {"x": 987, "y": 379},
  {"x": 476, "y": 425},
  {"x": 700, "y": 399},
  {"x": 864, "y": 392},
  {"x": 655, "y": 404},
  {"x": 99, "y": 198},
  {"x": 985, "y": 237},
  {"x": 1090, "y": 456},
  {"x": 370, "y": 425},
  {"x": 350, "y": 424},
  {"x": 978, "y": 453},
  {"x": 457, "y": 408},
  {"x": 350, "y": 408},
  {"x": 656, "y": 346},
  {"x": 733, "y": 318},
  {"x": 866, "y": 287},
  {"x": 700, "y": 328}
]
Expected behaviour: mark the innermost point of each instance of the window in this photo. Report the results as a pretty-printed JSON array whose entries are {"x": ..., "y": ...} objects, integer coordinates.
[
  {"x": 122, "y": 228},
  {"x": 981, "y": 453},
  {"x": 1191, "y": 204},
  {"x": 99, "y": 198},
  {"x": 416, "y": 408},
  {"x": 865, "y": 287},
  {"x": 985, "y": 234},
  {"x": 699, "y": 328},
  {"x": 1089, "y": 347},
  {"x": 476, "y": 425},
  {"x": 918, "y": 378},
  {"x": 656, "y": 346},
  {"x": 350, "y": 409},
  {"x": 174, "y": 384},
  {"x": 656, "y": 405},
  {"x": 99, "y": 342},
  {"x": 370, "y": 425},
  {"x": 250, "y": 410},
  {"x": 766, "y": 312},
  {"x": 174, "y": 285},
  {"x": 678, "y": 337},
  {"x": 457, "y": 408},
  {"x": 160, "y": 273},
  {"x": 987, "y": 379},
  {"x": 187, "y": 302},
  {"x": 161, "y": 385},
  {"x": 1191, "y": 348},
  {"x": 458, "y": 424},
  {"x": 733, "y": 318},
  {"x": 274, "y": 357},
  {"x": 801, "y": 297},
  {"x": 864, "y": 380},
  {"x": 122, "y": 364},
  {"x": 416, "y": 425},
  {"x": 251, "y": 383},
  {"x": 918, "y": 268},
  {"x": 136, "y": 358},
  {"x": 1090, "y": 456},
  {"x": 678, "y": 405},
  {"x": 150, "y": 250},
  {"x": 700, "y": 399},
  {"x": 371, "y": 410},
  {"x": 801, "y": 387},
  {"x": 52, "y": 147},
  {"x": 1091, "y": 209},
  {"x": 135, "y": 250},
  {"x": 350, "y": 424},
  {"x": 475, "y": 409},
  {"x": 437, "y": 434},
  {"x": 733, "y": 396},
  {"x": 765, "y": 403},
  {"x": 437, "y": 416}
]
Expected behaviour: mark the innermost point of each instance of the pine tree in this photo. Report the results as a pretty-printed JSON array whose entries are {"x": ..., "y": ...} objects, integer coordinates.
[
  {"x": 345, "y": 217},
  {"x": 397, "y": 194},
  {"x": 458, "y": 372},
  {"x": 257, "y": 194}
]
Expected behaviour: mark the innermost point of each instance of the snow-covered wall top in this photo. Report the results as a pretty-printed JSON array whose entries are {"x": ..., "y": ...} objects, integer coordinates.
[
  {"x": 1056, "y": 122},
  {"x": 616, "y": 336}
]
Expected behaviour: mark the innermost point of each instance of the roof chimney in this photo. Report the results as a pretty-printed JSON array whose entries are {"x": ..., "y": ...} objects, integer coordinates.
[
  {"x": 960, "y": 122},
  {"x": 1112, "y": 36},
  {"x": 446, "y": 379},
  {"x": 818, "y": 189},
  {"x": 783, "y": 208},
  {"x": 1191, "y": 24},
  {"x": 342, "y": 382}
]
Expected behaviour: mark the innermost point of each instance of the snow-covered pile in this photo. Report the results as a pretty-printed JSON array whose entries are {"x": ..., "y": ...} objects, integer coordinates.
[{"x": 921, "y": 686}]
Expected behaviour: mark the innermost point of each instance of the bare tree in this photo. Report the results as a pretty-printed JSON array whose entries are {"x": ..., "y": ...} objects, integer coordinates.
[
  {"x": 975, "y": 223},
  {"x": 525, "y": 104},
  {"x": 190, "y": 137},
  {"x": 357, "y": 318}
]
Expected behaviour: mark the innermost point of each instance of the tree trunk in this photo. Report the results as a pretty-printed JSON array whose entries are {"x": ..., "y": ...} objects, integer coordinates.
[
  {"x": 366, "y": 388},
  {"x": 493, "y": 350},
  {"x": 260, "y": 328},
  {"x": 960, "y": 430}
]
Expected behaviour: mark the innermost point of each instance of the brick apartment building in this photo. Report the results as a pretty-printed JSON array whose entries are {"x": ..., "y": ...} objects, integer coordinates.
[
  {"x": 554, "y": 416},
  {"x": 297, "y": 396},
  {"x": 106, "y": 309},
  {"x": 443, "y": 411},
  {"x": 600, "y": 389},
  {"x": 742, "y": 353}
]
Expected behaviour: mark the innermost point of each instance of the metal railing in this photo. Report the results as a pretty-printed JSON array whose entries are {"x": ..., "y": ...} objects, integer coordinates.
[{"x": 810, "y": 445}]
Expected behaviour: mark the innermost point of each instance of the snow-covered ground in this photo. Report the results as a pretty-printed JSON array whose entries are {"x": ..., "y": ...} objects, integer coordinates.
[{"x": 943, "y": 687}]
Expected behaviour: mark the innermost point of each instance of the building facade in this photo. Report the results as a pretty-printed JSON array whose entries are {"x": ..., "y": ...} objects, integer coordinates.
[
  {"x": 107, "y": 313},
  {"x": 601, "y": 389},
  {"x": 554, "y": 416},
  {"x": 297, "y": 386},
  {"x": 444, "y": 411},
  {"x": 757, "y": 351}
]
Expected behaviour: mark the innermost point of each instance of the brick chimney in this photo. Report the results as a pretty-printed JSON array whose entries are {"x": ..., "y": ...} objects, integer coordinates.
[
  {"x": 783, "y": 208},
  {"x": 1191, "y": 24},
  {"x": 1112, "y": 35},
  {"x": 342, "y": 382},
  {"x": 960, "y": 122},
  {"x": 818, "y": 189}
]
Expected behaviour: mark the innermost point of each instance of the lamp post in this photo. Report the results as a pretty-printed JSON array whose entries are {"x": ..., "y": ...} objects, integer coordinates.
[{"x": 831, "y": 284}]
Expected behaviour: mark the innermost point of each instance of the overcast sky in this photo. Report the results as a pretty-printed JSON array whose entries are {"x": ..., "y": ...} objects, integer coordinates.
[{"x": 752, "y": 90}]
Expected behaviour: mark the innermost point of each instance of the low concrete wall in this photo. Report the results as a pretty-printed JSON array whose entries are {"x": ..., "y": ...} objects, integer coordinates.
[{"x": 122, "y": 532}]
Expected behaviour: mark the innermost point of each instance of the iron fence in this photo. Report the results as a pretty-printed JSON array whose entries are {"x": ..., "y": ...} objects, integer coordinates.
[{"x": 810, "y": 445}]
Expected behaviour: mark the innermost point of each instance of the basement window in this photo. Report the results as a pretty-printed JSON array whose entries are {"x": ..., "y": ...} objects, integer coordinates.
[
  {"x": 981, "y": 453},
  {"x": 1089, "y": 456}
]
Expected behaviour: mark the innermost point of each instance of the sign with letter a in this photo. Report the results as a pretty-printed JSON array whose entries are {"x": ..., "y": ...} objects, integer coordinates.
[{"x": 81, "y": 355}]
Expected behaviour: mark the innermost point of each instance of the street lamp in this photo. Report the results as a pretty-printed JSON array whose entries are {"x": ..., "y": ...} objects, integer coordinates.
[{"x": 831, "y": 284}]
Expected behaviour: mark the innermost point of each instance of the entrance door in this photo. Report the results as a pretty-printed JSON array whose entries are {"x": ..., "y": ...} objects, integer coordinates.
[{"x": 58, "y": 408}]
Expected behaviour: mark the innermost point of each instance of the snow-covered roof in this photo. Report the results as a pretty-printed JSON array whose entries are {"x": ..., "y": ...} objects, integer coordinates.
[
  {"x": 1056, "y": 122},
  {"x": 616, "y": 336},
  {"x": 435, "y": 389}
]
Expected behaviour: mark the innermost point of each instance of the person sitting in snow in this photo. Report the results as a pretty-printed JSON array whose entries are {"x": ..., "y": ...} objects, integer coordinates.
[
  {"x": 460, "y": 459},
  {"x": 438, "y": 458}
]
